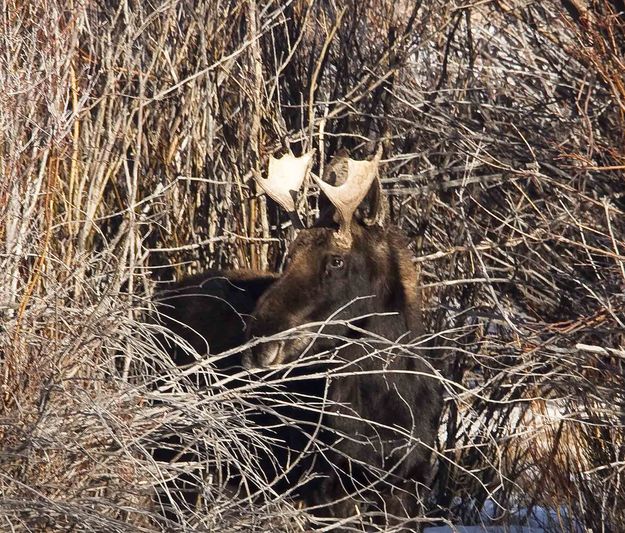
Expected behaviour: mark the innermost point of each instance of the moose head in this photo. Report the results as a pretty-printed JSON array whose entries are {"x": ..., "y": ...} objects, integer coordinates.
[{"x": 345, "y": 275}]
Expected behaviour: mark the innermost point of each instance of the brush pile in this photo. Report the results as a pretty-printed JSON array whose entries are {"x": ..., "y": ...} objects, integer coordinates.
[{"x": 129, "y": 136}]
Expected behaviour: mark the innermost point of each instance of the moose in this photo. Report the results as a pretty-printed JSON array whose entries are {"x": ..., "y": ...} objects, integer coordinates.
[{"x": 343, "y": 321}]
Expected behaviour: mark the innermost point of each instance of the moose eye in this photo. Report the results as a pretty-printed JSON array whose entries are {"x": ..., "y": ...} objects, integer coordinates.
[{"x": 337, "y": 262}]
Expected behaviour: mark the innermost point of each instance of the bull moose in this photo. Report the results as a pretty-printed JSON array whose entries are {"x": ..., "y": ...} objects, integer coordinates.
[{"x": 344, "y": 320}]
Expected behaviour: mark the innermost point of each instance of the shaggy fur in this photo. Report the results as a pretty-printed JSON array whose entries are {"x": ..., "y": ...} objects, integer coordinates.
[
  {"x": 357, "y": 437},
  {"x": 381, "y": 413}
]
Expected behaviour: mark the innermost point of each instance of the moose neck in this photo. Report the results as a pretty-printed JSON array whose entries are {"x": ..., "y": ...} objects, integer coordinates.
[{"x": 392, "y": 309}]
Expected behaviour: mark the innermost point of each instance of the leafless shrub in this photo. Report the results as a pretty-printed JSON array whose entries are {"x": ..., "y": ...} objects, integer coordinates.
[{"x": 128, "y": 136}]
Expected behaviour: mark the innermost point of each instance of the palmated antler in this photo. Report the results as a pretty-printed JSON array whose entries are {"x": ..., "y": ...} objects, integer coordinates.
[
  {"x": 346, "y": 197},
  {"x": 284, "y": 179}
]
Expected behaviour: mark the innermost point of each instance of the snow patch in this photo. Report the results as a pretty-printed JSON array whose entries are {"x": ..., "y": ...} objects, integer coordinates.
[{"x": 483, "y": 529}]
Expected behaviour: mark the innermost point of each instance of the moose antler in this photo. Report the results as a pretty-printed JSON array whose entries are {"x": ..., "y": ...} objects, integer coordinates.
[
  {"x": 359, "y": 175},
  {"x": 285, "y": 177}
]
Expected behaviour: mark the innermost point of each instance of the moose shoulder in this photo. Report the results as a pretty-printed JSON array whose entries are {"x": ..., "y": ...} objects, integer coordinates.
[
  {"x": 210, "y": 310},
  {"x": 349, "y": 300}
]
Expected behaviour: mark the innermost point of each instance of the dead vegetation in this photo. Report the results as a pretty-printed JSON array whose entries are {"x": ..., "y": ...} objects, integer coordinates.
[{"x": 129, "y": 134}]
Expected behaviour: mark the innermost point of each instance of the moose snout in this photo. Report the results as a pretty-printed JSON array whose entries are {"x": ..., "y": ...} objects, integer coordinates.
[{"x": 263, "y": 355}]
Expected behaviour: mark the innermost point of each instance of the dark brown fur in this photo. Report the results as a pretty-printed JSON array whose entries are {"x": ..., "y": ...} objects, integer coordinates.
[
  {"x": 364, "y": 435},
  {"x": 381, "y": 418},
  {"x": 210, "y": 310}
]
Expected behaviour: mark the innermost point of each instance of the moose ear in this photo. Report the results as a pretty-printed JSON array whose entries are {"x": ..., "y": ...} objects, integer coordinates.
[{"x": 372, "y": 209}]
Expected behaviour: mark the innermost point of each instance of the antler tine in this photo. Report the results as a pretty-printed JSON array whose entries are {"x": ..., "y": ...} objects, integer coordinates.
[
  {"x": 347, "y": 197},
  {"x": 285, "y": 177}
]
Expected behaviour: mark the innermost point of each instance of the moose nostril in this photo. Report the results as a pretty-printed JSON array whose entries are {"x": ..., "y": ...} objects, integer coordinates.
[
  {"x": 263, "y": 355},
  {"x": 247, "y": 359}
]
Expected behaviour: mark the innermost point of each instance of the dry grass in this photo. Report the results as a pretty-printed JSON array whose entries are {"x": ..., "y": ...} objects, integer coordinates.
[{"x": 129, "y": 133}]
